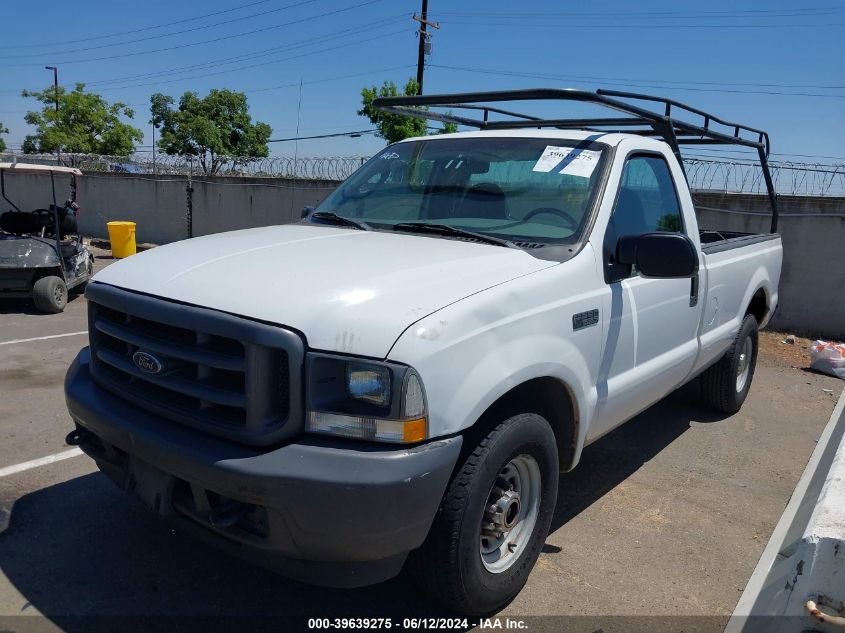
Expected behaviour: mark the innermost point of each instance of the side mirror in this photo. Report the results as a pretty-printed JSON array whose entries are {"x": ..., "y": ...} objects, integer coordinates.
[
  {"x": 306, "y": 211},
  {"x": 660, "y": 255}
]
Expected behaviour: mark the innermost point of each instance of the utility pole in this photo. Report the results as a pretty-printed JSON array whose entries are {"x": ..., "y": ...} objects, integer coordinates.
[
  {"x": 56, "y": 97},
  {"x": 425, "y": 43},
  {"x": 55, "y": 84}
]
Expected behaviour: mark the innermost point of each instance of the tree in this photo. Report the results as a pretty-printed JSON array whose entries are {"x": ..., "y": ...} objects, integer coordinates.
[
  {"x": 395, "y": 127},
  {"x": 85, "y": 123},
  {"x": 216, "y": 129},
  {"x": 3, "y": 130}
]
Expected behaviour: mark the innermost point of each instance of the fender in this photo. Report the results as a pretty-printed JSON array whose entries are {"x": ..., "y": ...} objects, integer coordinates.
[{"x": 471, "y": 353}]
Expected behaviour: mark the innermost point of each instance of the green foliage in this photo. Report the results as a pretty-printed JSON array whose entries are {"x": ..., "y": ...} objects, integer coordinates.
[
  {"x": 3, "y": 130},
  {"x": 670, "y": 222},
  {"x": 395, "y": 127},
  {"x": 216, "y": 129},
  {"x": 85, "y": 123}
]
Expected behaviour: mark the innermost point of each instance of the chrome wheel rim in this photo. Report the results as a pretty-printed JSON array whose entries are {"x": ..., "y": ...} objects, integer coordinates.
[
  {"x": 510, "y": 513},
  {"x": 59, "y": 294},
  {"x": 743, "y": 366}
]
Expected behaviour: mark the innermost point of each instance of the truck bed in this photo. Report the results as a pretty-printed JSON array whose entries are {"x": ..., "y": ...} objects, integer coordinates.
[{"x": 717, "y": 241}]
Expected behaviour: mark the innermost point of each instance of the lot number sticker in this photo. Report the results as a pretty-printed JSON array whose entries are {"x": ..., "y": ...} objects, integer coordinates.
[{"x": 568, "y": 160}]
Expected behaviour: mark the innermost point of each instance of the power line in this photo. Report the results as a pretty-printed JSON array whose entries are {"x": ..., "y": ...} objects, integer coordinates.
[
  {"x": 209, "y": 41},
  {"x": 327, "y": 79},
  {"x": 659, "y": 15},
  {"x": 671, "y": 81},
  {"x": 267, "y": 63},
  {"x": 346, "y": 32},
  {"x": 544, "y": 22},
  {"x": 752, "y": 154},
  {"x": 680, "y": 14},
  {"x": 665, "y": 81},
  {"x": 146, "y": 28},
  {"x": 623, "y": 82},
  {"x": 305, "y": 138},
  {"x": 161, "y": 35},
  {"x": 694, "y": 13},
  {"x": 306, "y": 83}
]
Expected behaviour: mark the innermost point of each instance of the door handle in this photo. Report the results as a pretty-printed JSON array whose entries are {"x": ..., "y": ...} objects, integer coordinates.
[{"x": 693, "y": 291}]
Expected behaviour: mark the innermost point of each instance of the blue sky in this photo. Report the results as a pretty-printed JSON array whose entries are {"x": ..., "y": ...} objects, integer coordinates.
[{"x": 774, "y": 65}]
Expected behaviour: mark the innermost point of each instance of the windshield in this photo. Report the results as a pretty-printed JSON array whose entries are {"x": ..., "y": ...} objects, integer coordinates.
[{"x": 519, "y": 189}]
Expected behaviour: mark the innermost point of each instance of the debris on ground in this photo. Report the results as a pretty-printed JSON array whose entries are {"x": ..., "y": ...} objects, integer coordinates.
[
  {"x": 789, "y": 340},
  {"x": 828, "y": 358}
]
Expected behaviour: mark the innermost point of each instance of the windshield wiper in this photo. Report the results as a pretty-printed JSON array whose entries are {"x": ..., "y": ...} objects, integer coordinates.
[
  {"x": 445, "y": 229},
  {"x": 329, "y": 217}
]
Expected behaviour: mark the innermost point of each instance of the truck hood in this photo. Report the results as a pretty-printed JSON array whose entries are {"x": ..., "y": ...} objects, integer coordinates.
[{"x": 346, "y": 290}]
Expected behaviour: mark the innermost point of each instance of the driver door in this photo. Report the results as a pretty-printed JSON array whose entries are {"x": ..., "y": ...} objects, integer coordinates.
[{"x": 651, "y": 329}]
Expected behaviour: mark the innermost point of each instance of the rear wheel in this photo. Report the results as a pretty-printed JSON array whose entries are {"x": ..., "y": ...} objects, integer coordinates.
[
  {"x": 493, "y": 520},
  {"x": 50, "y": 294},
  {"x": 725, "y": 385}
]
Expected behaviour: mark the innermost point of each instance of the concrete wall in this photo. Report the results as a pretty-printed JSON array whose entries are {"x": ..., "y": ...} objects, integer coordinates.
[
  {"x": 227, "y": 204},
  {"x": 812, "y": 289},
  {"x": 159, "y": 206}
]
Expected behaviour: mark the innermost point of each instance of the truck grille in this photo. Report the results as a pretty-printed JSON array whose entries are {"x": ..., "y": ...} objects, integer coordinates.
[{"x": 226, "y": 375}]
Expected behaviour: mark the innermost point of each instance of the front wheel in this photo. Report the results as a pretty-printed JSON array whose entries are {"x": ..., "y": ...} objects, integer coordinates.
[
  {"x": 49, "y": 294},
  {"x": 493, "y": 520},
  {"x": 725, "y": 385}
]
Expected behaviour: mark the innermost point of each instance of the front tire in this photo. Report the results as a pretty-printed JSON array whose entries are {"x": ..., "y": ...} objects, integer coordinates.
[
  {"x": 725, "y": 385},
  {"x": 493, "y": 520},
  {"x": 50, "y": 294}
]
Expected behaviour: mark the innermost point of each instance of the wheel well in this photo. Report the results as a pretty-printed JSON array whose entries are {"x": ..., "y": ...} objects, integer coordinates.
[
  {"x": 759, "y": 305},
  {"x": 548, "y": 397}
]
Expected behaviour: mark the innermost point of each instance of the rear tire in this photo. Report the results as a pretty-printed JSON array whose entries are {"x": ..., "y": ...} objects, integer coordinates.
[
  {"x": 725, "y": 385},
  {"x": 460, "y": 564},
  {"x": 50, "y": 294}
]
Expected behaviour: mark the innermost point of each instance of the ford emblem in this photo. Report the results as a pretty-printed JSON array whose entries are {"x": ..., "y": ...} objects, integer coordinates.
[{"x": 147, "y": 363}]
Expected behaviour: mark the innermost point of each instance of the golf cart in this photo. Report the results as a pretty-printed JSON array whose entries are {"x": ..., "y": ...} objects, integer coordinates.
[{"x": 42, "y": 255}]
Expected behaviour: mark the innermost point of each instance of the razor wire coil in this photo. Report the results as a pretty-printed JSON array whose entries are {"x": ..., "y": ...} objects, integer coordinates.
[{"x": 712, "y": 174}]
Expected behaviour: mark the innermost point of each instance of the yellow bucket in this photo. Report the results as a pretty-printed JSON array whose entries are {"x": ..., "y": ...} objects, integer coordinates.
[{"x": 122, "y": 238}]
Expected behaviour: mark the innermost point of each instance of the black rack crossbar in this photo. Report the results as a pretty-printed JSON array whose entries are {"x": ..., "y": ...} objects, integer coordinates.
[
  {"x": 640, "y": 120},
  {"x": 418, "y": 106}
]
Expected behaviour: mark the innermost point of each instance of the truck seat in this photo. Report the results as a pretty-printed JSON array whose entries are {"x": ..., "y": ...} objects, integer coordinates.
[{"x": 629, "y": 214}]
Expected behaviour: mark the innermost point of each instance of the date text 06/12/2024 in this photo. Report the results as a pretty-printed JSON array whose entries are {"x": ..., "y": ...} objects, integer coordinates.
[{"x": 435, "y": 624}]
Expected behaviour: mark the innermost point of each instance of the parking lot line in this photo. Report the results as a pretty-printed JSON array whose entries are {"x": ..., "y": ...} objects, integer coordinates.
[
  {"x": 41, "y": 461},
  {"x": 42, "y": 338}
]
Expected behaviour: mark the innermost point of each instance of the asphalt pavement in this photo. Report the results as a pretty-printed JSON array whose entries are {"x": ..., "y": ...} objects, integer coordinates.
[{"x": 665, "y": 516}]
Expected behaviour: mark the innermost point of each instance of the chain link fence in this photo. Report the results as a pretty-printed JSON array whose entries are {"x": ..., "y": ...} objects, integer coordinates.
[{"x": 716, "y": 174}]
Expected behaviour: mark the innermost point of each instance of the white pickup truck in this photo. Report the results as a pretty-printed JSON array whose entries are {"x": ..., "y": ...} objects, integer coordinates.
[{"x": 400, "y": 377}]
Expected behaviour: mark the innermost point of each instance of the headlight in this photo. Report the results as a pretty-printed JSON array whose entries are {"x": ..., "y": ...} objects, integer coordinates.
[
  {"x": 368, "y": 400},
  {"x": 368, "y": 382}
]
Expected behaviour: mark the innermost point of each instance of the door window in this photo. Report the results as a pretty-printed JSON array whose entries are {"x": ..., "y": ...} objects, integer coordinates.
[{"x": 647, "y": 200}]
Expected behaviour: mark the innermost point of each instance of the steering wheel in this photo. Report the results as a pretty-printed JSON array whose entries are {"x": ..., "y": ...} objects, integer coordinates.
[
  {"x": 571, "y": 222},
  {"x": 45, "y": 218}
]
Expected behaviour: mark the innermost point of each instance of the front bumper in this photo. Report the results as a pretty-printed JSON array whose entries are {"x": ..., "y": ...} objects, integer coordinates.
[{"x": 331, "y": 512}]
